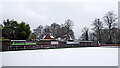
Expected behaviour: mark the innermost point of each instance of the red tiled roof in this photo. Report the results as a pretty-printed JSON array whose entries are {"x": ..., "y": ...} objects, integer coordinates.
[{"x": 47, "y": 37}]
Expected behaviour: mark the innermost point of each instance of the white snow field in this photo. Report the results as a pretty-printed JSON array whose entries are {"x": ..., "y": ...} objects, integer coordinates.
[
  {"x": 0, "y": 59},
  {"x": 90, "y": 56}
]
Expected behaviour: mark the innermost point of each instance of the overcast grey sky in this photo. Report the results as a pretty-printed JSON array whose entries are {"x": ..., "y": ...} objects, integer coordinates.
[{"x": 45, "y": 13}]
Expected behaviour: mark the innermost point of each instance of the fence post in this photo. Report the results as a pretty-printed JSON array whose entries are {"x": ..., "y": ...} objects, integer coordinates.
[
  {"x": 8, "y": 47},
  {"x": 16, "y": 47}
]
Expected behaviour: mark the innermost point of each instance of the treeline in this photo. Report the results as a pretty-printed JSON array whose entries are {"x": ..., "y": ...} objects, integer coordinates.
[
  {"x": 104, "y": 30},
  {"x": 11, "y": 29},
  {"x": 63, "y": 31}
]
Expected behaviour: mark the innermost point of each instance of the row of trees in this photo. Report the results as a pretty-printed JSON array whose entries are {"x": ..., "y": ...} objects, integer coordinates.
[
  {"x": 105, "y": 31},
  {"x": 21, "y": 31},
  {"x": 63, "y": 31}
]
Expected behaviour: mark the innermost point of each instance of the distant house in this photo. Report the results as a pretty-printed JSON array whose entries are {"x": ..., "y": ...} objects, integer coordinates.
[
  {"x": 68, "y": 37},
  {"x": 48, "y": 37},
  {"x": 65, "y": 38}
]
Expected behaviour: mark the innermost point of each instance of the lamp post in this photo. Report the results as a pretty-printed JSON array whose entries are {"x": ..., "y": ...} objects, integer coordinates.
[{"x": 98, "y": 41}]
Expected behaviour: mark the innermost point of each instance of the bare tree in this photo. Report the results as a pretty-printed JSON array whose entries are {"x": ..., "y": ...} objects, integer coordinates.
[
  {"x": 92, "y": 36},
  {"x": 85, "y": 34},
  {"x": 98, "y": 25},
  {"x": 32, "y": 37},
  {"x": 118, "y": 36},
  {"x": 68, "y": 28},
  {"x": 54, "y": 28},
  {"x": 1, "y": 27},
  {"x": 38, "y": 31},
  {"x": 46, "y": 30},
  {"x": 110, "y": 19},
  {"x": 69, "y": 24}
]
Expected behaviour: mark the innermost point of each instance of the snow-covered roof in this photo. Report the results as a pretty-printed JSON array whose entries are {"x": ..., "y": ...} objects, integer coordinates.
[
  {"x": 72, "y": 42},
  {"x": 71, "y": 38},
  {"x": 44, "y": 36},
  {"x": 51, "y": 36},
  {"x": 86, "y": 41}
]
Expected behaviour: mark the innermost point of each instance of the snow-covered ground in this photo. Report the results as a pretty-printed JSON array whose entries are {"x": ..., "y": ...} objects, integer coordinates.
[{"x": 91, "y": 56}]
